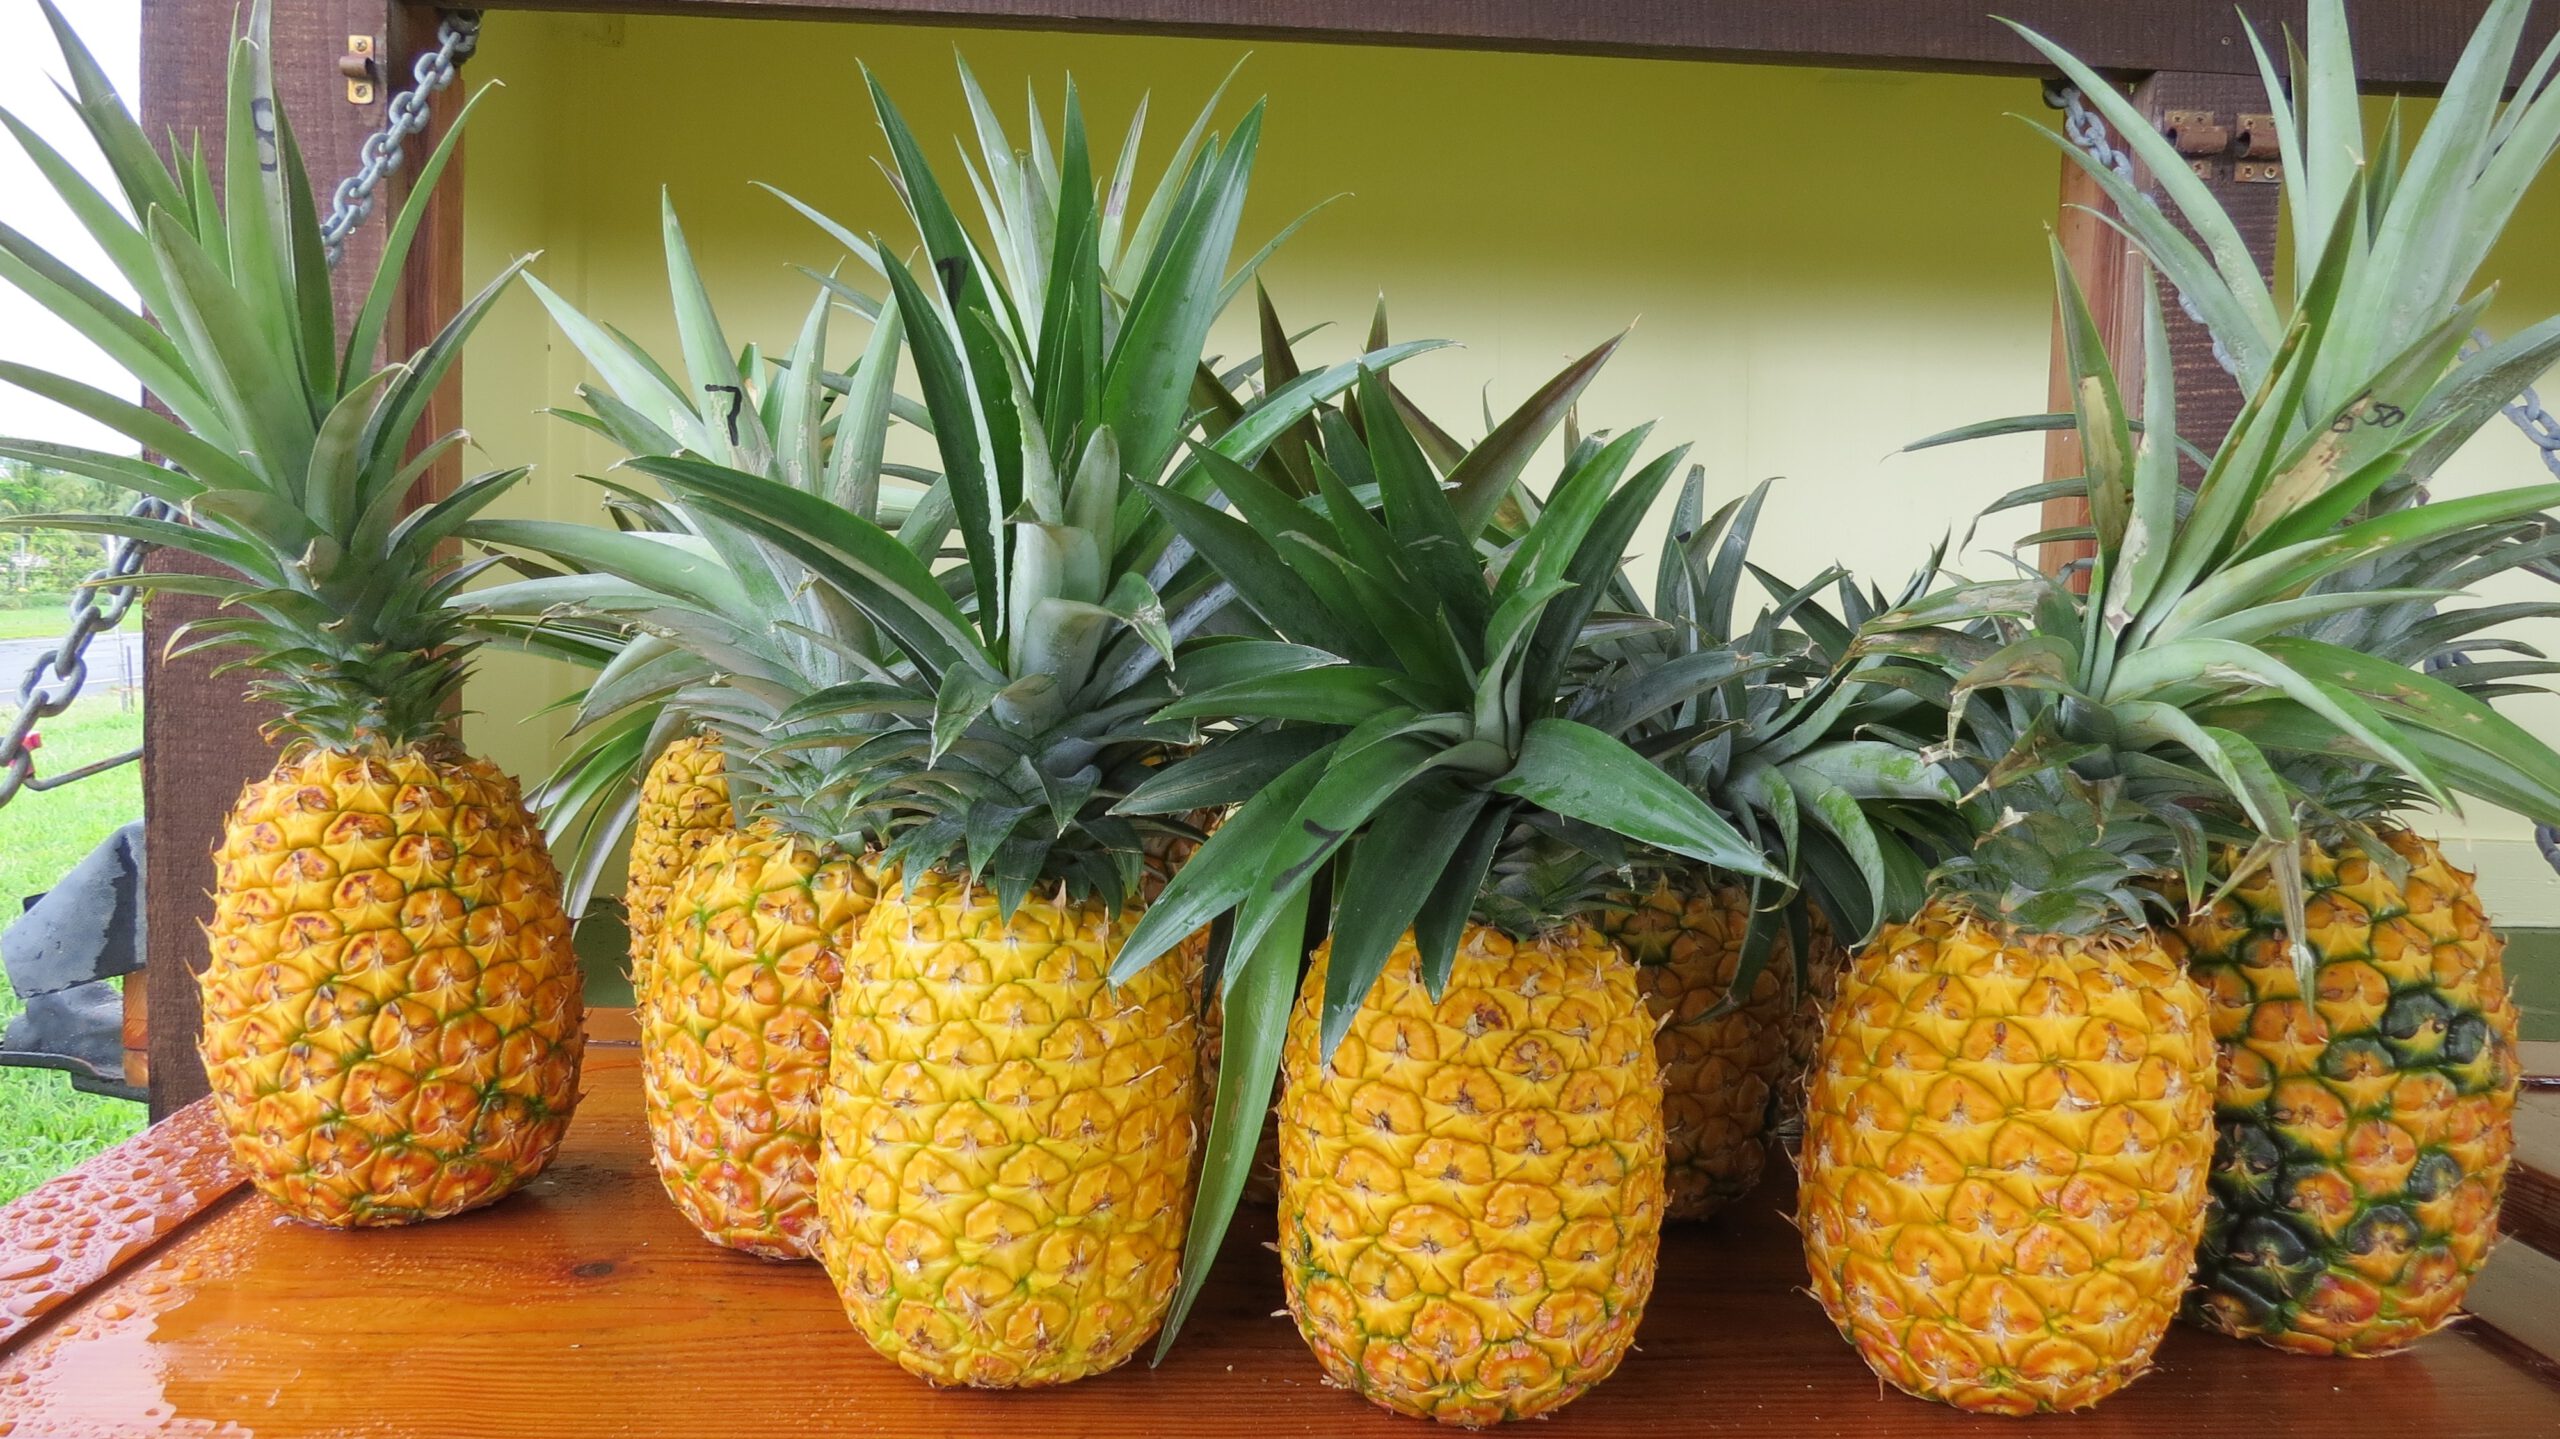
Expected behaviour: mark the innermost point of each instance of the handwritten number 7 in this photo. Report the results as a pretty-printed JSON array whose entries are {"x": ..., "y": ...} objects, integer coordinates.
[{"x": 737, "y": 401}]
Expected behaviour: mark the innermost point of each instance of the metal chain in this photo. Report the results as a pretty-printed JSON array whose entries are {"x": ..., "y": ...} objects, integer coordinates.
[
  {"x": 457, "y": 35},
  {"x": 100, "y": 605},
  {"x": 54, "y": 680},
  {"x": 2088, "y": 130}
]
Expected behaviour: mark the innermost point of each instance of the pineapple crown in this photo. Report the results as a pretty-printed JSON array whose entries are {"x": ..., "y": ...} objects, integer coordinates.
[
  {"x": 2184, "y": 665},
  {"x": 1809, "y": 755},
  {"x": 2403, "y": 226},
  {"x": 689, "y": 621},
  {"x": 290, "y": 456},
  {"x": 1408, "y": 706},
  {"x": 998, "y": 707}
]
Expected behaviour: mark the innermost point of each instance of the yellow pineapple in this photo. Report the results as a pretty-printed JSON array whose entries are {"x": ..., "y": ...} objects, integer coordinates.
[
  {"x": 2005, "y": 1154},
  {"x": 684, "y": 805},
  {"x": 1008, "y": 1137},
  {"x": 391, "y": 1005},
  {"x": 1471, "y": 1189},
  {"x": 2365, "y": 1136},
  {"x": 1720, "y": 1066},
  {"x": 733, "y": 1033}
]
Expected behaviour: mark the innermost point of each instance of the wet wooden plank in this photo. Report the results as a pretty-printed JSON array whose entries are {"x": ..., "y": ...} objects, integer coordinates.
[
  {"x": 66, "y": 1236},
  {"x": 586, "y": 1307}
]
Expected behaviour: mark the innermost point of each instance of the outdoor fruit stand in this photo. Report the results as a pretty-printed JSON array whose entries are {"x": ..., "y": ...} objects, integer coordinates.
[{"x": 1170, "y": 893}]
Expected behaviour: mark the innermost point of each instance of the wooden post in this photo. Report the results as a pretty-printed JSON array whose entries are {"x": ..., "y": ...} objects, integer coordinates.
[
  {"x": 2112, "y": 276},
  {"x": 201, "y": 739}
]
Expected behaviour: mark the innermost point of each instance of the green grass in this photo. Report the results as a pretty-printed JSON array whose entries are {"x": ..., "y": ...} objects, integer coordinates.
[
  {"x": 46, "y": 622},
  {"x": 46, "y": 1126}
]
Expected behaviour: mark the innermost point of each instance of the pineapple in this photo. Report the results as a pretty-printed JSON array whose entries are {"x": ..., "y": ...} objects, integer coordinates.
[
  {"x": 391, "y": 1005},
  {"x": 2005, "y": 1151},
  {"x": 2365, "y": 1135},
  {"x": 1514, "y": 1119},
  {"x": 734, "y": 1015},
  {"x": 1405, "y": 726},
  {"x": 2121, "y": 735},
  {"x": 684, "y": 805},
  {"x": 1721, "y": 1062}
]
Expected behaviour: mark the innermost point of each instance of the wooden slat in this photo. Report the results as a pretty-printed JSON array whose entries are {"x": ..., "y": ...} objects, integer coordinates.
[
  {"x": 66, "y": 1236},
  {"x": 2531, "y": 1214},
  {"x": 2403, "y": 44},
  {"x": 2098, "y": 259},
  {"x": 2112, "y": 276},
  {"x": 587, "y": 1307},
  {"x": 431, "y": 281},
  {"x": 2208, "y": 399}
]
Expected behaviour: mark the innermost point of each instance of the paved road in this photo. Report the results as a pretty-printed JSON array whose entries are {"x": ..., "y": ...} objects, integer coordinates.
[{"x": 115, "y": 662}]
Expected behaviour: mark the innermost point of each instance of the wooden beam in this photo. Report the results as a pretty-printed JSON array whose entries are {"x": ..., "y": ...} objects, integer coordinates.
[
  {"x": 431, "y": 280},
  {"x": 2209, "y": 399},
  {"x": 2403, "y": 44},
  {"x": 201, "y": 738}
]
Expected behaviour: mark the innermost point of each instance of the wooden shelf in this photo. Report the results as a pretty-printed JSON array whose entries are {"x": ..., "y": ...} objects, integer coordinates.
[
  {"x": 2400, "y": 44},
  {"x": 587, "y": 1307}
]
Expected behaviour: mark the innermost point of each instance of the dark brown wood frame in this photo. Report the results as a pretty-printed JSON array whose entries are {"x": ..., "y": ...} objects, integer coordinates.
[{"x": 2403, "y": 44}]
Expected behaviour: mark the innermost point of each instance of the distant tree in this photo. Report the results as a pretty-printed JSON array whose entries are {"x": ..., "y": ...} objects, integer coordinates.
[{"x": 48, "y": 560}]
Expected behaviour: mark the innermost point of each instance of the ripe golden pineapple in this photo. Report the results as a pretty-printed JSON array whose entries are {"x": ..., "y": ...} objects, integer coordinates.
[
  {"x": 391, "y": 1007},
  {"x": 2005, "y": 1154},
  {"x": 391, "y": 1004},
  {"x": 1008, "y": 1138},
  {"x": 1471, "y": 1191},
  {"x": 733, "y": 1033},
  {"x": 2365, "y": 1136},
  {"x": 684, "y": 805},
  {"x": 1719, "y": 1070}
]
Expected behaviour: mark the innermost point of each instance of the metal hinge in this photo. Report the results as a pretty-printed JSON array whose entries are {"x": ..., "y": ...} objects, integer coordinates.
[
  {"x": 2246, "y": 142},
  {"x": 362, "y": 66}
]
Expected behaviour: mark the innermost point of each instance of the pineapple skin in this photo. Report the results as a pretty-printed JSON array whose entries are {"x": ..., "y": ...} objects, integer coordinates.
[
  {"x": 684, "y": 805},
  {"x": 1719, "y": 1070},
  {"x": 1008, "y": 1140},
  {"x": 1471, "y": 1192},
  {"x": 733, "y": 1034},
  {"x": 2364, "y": 1140},
  {"x": 391, "y": 1007},
  {"x": 2005, "y": 1159}
]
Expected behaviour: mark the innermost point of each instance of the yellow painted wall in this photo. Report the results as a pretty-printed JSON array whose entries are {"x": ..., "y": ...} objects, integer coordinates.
[{"x": 1820, "y": 265}]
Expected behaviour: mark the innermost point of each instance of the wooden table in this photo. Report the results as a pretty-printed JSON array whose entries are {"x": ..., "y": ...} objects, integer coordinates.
[{"x": 585, "y": 1306}]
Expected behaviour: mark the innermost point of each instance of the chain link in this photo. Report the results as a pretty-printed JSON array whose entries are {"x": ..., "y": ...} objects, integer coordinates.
[
  {"x": 101, "y": 603},
  {"x": 2088, "y": 130},
  {"x": 457, "y": 35},
  {"x": 54, "y": 680}
]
